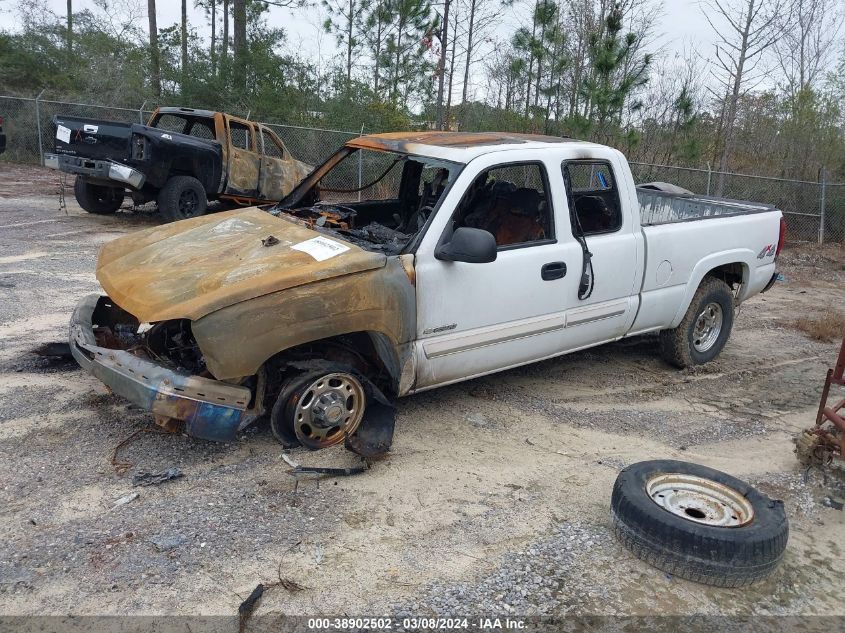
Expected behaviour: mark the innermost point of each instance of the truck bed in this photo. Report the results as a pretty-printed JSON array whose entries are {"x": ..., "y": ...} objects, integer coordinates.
[{"x": 660, "y": 207}]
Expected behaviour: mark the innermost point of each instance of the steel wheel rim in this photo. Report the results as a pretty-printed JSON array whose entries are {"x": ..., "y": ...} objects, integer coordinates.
[
  {"x": 708, "y": 327},
  {"x": 329, "y": 410},
  {"x": 700, "y": 500},
  {"x": 188, "y": 203}
]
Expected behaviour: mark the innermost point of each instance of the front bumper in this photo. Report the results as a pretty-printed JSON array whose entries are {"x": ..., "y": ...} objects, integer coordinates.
[
  {"x": 212, "y": 410},
  {"x": 100, "y": 169}
]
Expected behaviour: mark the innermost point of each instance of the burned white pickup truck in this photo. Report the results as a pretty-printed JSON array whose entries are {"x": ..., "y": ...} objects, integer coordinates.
[{"x": 458, "y": 256}]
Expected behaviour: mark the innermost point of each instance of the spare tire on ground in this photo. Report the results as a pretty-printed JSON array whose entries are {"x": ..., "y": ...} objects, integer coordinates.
[{"x": 698, "y": 523}]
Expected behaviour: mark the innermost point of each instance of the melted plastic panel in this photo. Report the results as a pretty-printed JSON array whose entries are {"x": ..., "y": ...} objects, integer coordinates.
[
  {"x": 238, "y": 339},
  {"x": 190, "y": 268}
]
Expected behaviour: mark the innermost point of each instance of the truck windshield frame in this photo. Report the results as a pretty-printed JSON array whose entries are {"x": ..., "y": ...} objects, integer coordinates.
[{"x": 380, "y": 200}]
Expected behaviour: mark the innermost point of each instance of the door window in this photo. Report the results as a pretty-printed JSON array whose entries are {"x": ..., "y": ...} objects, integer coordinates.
[
  {"x": 593, "y": 197},
  {"x": 511, "y": 202},
  {"x": 241, "y": 135},
  {"x": 271, "y": 147}
]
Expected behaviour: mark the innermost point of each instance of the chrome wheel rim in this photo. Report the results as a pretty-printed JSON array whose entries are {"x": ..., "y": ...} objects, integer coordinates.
[
  {"x": 328, "y": 410},
  {"x": 700, "y": 500},
  {"x": 707, "y": 328}
]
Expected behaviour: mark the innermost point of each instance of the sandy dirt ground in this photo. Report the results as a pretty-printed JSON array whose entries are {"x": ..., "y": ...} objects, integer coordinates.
[{"x": 495, "y": 498}]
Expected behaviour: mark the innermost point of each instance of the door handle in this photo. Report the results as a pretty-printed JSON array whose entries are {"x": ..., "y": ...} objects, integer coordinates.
[{"x": 553, "y": 270}]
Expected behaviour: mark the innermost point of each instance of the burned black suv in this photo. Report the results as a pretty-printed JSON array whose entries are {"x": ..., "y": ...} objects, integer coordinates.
[{"x": 181, "y": 159}]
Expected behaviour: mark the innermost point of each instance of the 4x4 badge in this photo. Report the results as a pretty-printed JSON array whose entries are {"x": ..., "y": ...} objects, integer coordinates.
[{"x": 768, "y": 251}]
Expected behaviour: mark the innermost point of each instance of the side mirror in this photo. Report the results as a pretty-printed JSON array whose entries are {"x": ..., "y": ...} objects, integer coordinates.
[{"x": 474, "y": 246}]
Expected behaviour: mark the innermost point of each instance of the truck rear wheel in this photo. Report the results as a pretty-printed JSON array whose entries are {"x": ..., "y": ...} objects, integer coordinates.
[
  {"x": 97, "y": 199},
  {"x": 182, "y": 197},
  {"x": 705, "y": 328}
]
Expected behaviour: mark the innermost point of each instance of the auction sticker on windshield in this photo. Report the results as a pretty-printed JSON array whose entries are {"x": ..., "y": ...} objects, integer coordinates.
[{"x": 320, "y": 248}]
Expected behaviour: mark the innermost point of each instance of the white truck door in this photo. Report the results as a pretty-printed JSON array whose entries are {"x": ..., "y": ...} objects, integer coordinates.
[
  {"x": 596, "y": 193},
  {"x": 478, "y": 318}
]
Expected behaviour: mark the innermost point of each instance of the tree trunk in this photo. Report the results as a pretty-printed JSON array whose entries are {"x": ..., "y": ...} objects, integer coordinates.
[
  {"x": 239, "y": 23},
  {"x": 69, "y": 27},
  {"x": 184, "y": 43},
  {"x": 377, "y": 51},
  {"x": 441, "y": 64},
  {"x": 465, "y": 90},
  {"x": 155, "y": 62},
  {"x": 448, "y": 115},
  {"x": 213, "y": 51},
  {"x": 540, "y": 63},
  {"x": 349, "y": 40},
  {"x": 531, "y": 62},
  {"x": 395, "y": 89},
  {"x": 733, "y": 102},
  {"x": 225, "y": 55}
]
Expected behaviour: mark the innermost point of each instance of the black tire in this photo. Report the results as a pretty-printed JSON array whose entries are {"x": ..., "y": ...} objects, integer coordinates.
[
  {"x": 281, "y": 419},
  {"x": 182, "y": 197},
  {"x": 678, "y": 346},
  {"x": 97, "y": 199},
  {"x": 293, "y": 388},
  {"x": 713, "y": 555}
]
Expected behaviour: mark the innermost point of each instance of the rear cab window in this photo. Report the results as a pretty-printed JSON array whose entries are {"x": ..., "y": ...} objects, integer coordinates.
[
  {"x": 198, "y": 127},
  {"x": 593, "y": 197}
]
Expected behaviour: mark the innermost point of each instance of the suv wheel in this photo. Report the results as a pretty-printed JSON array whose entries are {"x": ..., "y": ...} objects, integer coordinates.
[
  {"x": 182, "y": 197},
  {"x": 97, "y": 199}
]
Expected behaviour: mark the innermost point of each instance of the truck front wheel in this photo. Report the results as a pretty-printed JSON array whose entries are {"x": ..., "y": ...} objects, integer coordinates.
[
  {"x": 705, "y": 328},
  {"x": 182, "y": 197},
  {"x": 97, "y": 199},
  {"x": 319, "y": 408}
]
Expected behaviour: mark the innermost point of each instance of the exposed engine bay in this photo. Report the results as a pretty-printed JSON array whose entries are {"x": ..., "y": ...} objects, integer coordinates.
[{"x": 169, "y": 343}]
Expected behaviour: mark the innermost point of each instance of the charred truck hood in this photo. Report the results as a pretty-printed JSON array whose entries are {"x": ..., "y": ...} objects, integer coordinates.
[{"x": 189, "y": 269}]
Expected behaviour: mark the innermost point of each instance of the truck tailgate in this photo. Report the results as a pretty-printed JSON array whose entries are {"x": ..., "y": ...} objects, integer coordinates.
[{"x": 91, "y": 138}]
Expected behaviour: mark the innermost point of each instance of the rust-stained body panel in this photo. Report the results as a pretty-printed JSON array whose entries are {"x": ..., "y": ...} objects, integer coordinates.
[
  {"x": 279, "y": 176},
  {"x": 191, "y": 268},
  {"x": 236, "y": 340}
]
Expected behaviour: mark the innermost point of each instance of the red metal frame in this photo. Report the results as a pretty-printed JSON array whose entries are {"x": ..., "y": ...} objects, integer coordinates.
[{"x": 834, "y": 413}]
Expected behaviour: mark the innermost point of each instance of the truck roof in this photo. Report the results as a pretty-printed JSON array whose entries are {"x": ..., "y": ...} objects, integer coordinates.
[
  {"x": 188, "y": 111},
  {"x": 457, "y": 146}
]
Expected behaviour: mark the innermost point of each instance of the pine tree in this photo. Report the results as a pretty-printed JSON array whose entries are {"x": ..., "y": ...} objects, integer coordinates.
[{"x": 617, "y": 71}]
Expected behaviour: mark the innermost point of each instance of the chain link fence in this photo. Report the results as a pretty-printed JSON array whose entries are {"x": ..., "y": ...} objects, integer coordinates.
[{"x": 814, "y": 211}]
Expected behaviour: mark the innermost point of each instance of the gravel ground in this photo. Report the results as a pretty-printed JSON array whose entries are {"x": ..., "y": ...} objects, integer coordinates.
[{"x": 495, "y": 499}]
